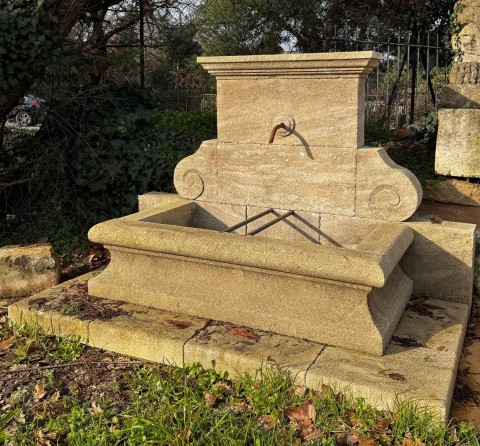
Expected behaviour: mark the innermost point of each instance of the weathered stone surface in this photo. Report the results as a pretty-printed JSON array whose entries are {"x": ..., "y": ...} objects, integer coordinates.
[
  {"x": 465, "y": 73},
  {"x": 440, "y": 261},
  {"x": 34, "y": 310},
  {"x": 159, "y": 200},
  {"x": 384, "y": 190},
  {"x": 467, "y": 42},
  {"x": 146, "y": 333},
  {"x": 287, "y": 178},
  {"x": 255, "y": 93},
  {"x": 301, "y": 226},
  {"x": 218, "y": 217},
  {"x": 251, "y": 274},
  {"x": 311, "y": 165},
  {"x": 469, "y": 14},
  {"x": 452, "y": 191},
  {"x": 28, "y": 269},
  {"x": 345, "y": 232},
  {"x": 458, "y": 143},
  {"x": 239, "y": 349},
  {"x": 196, "y": 176},
  {"x": 52, "y": 323},
  {"x": 460, "y": 96},
  {"x": 426, "y": 344},
  {"x": 364, "y": 183}
]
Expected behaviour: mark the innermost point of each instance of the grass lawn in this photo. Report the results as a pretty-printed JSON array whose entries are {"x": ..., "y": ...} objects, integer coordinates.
[{"x": 57, "y": 391}]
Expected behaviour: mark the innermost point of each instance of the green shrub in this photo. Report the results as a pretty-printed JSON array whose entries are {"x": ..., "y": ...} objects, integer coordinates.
[
  {"x": 179, "y": 135},
  {"x": 425, "y": 130},
  {"x": 98, "y": 151}
]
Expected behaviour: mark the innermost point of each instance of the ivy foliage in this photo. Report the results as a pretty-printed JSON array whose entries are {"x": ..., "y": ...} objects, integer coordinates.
[
  {"x": 27, "y": 42},
  {"x": 96, "y": 152}
]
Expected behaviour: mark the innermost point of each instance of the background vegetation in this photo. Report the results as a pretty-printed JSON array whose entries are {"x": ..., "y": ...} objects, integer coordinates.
[{"x": 119, "y": 77}]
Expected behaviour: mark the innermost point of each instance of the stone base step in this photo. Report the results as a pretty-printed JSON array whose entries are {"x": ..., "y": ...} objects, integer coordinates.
[{"x": 427, "y": 344}]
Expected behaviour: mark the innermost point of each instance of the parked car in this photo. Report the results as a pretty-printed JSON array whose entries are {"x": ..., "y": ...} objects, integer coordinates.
[{"x": 30, "y": 111}]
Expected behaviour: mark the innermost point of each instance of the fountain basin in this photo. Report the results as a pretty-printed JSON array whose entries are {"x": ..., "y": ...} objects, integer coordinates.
[{"x": 159, "y": 260}]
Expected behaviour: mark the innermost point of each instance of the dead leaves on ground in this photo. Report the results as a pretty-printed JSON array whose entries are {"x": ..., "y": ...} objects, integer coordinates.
[
  {"x": 39, "y": 391},
  {"x": 5, "y": 345},
  {"x": 243, "y": 332},
  {"x": 304, "y": 417},
  {"x": 97, "y": 256},
  {"x": 181, "y": 325}
]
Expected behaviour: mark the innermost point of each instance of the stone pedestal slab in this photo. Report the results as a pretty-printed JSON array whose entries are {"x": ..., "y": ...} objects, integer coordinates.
[{"x": 458, "y": 143}]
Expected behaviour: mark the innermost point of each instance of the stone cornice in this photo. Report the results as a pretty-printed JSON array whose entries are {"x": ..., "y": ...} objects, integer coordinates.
[{"x": 315, "y": 65}]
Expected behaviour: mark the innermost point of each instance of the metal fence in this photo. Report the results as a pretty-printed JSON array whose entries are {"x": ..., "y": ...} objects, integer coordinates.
[
  {"x": 407, "y": 83},
  {"x": 404, "y": 87},
  {"x": 413, "y": 69}
]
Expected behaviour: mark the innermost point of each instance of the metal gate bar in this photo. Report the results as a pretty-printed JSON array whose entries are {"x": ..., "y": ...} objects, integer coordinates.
[{"x": 248, "y": 220}]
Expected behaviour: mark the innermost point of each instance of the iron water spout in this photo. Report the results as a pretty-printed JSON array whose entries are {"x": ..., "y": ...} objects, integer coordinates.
[{"x": 274, "y": 131}]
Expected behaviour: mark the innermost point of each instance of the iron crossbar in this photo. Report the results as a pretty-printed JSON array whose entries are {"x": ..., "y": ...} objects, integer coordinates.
[
  {"x": 248, "y": 220},
  {"x": 256, "y": 217}
]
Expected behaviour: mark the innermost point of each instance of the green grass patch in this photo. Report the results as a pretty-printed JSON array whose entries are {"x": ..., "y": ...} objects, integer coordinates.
[{"x": 162, "y": 405}]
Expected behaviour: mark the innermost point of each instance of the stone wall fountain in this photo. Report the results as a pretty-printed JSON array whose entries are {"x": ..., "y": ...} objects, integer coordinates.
[
  {"x": 289, "y": 132},
  {"x": 287, "y": 225}
]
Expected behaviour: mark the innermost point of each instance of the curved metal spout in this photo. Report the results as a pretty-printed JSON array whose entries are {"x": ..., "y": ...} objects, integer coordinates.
[{"x": 274, "y": 131}]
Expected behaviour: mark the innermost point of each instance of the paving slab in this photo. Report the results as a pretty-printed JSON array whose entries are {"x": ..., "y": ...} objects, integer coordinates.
[
  {"x": 420, "y": 363},
  {"x": 146, "y": 333},
  {"x": 240, "y": 349}
]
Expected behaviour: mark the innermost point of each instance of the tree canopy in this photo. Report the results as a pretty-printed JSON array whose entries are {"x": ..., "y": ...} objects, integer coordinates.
[{"x": 262, "y": 26}]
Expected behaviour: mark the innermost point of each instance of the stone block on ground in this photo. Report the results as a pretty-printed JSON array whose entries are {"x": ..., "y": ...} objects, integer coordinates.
[
  {"x": 440, "y": 260},
  {"x": 452, "y": 191},
  {"x": 460, "y": 96},
  {"x": 458, "y": 143},
  {"x": 25, "y": 270},
  {"x": 438, "y": 212}
]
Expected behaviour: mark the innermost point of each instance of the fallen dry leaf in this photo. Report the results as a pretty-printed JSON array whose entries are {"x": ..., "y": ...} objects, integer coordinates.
[
  {"x": 436, "y": 220},
  {"x": 352, "y": 439},
  {"x": 299, "y": 391},
  {"x": 367, "y": 442},
  {"x": 95, "y": 408},
  {"x": 179, "y": 324},
  {"x": 382, "y": 425},
  {"x": 46, "y": 439},
  {"x": 303, "y": 415},
  {"x": 54, "y": 398},
  {"x": 31, "y": 347},
  {"x": 415, "y": 441},
  {"x": 243, "y": 332},
  {"x": 311, "y": 432},
  {"x": 239, "y": 407},
  {"x": 394, "y": 376},
  {"x": 267, "y": 421},
  {"x": 210, "y": 399},
  {"x": 5, "y": 345},
  {"x": 184, "y": 435},
  {"x": 40, "y": 391}
]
